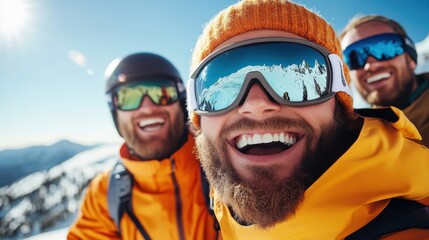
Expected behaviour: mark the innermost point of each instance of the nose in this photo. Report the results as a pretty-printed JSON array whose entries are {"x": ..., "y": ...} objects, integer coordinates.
[
  {"x": 147, "y": 103},
  {"x": 257, "y": 103},
  {"x": 371, "y": 64}
]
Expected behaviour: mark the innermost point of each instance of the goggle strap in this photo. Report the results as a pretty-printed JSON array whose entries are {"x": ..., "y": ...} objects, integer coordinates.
[
  {"x": 410, "y": 48},
  {"x": 191, "y": 97},
  {"x": 339, "y": 83}
]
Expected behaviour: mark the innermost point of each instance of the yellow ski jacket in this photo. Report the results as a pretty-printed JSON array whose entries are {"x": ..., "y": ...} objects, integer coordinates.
[{"x": 382, "y": 164}]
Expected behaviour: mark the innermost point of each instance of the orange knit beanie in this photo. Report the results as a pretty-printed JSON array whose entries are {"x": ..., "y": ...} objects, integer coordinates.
[{"x": 249, "y": 15}]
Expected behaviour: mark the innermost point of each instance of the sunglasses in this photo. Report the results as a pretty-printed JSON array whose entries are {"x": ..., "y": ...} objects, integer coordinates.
[
  {"x": 381, "y": 47},
  {"x": 292, "y": 71},
  {"x": 129, "y": 97}
]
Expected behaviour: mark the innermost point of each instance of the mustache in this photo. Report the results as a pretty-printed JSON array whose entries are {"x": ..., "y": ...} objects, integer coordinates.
[
  {"x": 155, "y": 112},
  {"x": 268, "y": 124}
]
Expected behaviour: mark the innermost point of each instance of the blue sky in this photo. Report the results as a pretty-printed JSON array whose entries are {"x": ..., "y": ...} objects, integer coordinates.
[{"x": 52, "y": 65}]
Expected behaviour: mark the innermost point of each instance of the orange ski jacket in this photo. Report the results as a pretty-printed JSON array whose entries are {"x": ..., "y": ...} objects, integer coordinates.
[{"x": 153, "y": 200}]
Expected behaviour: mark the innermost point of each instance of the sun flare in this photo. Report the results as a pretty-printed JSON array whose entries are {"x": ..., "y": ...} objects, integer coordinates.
[{"x": 13, "y": 17}]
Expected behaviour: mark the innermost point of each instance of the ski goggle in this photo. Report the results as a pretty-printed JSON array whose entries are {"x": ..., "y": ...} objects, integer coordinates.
[
  {"x": 382, "y": 47},
  {"x": 129, "y": 96},
  {"x": 292, "y": 71}
]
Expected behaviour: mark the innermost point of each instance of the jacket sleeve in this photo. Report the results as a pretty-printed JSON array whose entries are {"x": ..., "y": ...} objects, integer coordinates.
[{"x": 93, "y": 220}]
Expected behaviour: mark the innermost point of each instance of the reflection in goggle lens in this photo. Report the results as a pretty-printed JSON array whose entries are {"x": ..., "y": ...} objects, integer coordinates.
[
  {"x": 297, "y": 74},
  {"x": 161, "y": 92},
  {"x": 382, "y": 47}
]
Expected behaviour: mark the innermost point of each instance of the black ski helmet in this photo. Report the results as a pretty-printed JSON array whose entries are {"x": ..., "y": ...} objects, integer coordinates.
[{"x": 137, "y": 67}]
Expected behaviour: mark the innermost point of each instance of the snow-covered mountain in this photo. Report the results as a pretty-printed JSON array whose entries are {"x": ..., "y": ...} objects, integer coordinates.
[
  {"x": 309, "y": 82},
  {"x": 18, "y": 163},
  {"x": 49, "y": 199}
]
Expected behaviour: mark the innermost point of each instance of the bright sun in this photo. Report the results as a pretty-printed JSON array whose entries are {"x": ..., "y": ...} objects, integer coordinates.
[{"x": 13, "y": 16}]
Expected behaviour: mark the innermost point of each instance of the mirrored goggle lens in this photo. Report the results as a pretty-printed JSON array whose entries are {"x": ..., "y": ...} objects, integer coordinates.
[
  {"x": 381, "y": 47},
  {"x": 295, "y": 73},
  {"x": 160, "y": 92}
]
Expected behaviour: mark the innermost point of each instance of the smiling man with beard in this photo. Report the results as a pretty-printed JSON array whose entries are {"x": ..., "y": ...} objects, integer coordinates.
[
  {"x": 166, "y": 200},
  {"x": 382, "y": 59},
  {"x": 285, "y": 152}
]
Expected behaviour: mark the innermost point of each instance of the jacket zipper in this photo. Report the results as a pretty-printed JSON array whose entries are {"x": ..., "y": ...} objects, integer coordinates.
[{"x": 178, "y": 200}]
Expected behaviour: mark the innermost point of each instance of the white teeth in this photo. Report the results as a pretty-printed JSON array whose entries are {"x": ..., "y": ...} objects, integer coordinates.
[
  {"x": 378, "y": 77},
  {"x": 245, "y": 140},
  {"x": 275, "y": 137},
  {"x": 150, "y": 121},
  {"x": 248, "y": 140},
  {"x": 290, "y": 140},
  {"x": 257, "y": 139},
  {"x": 267, "y": 138}
]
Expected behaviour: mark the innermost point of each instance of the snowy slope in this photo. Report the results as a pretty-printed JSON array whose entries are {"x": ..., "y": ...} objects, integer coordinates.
[
  {"x": 52, "y": 235},
  {"x": 49, "y": 199}
]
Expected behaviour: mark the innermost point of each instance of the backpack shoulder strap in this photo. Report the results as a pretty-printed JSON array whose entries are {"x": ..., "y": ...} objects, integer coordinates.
[
  {"x": 119, "y": 197},
  {"x": 400, "y": 214},
  {"x": 119, "y": 192}
]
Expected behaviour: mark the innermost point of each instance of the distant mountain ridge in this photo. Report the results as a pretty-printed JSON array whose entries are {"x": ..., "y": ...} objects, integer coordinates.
[{"x": 17, "y": 163}]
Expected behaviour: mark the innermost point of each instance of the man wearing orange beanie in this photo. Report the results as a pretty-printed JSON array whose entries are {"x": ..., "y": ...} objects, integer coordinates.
[{"x": 285, "y": 153}]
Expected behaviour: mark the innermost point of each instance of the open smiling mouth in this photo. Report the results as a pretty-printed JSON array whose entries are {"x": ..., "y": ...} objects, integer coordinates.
[
  {"x": 378, "y": 77},
  {"x": 265, "y": 144},
  {"x": 151, "y": 124}
]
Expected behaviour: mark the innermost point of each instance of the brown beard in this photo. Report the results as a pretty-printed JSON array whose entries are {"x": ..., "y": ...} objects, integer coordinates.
[
  {"x": 268, "y": 200},
  {"x": 155, "y": 148}
]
